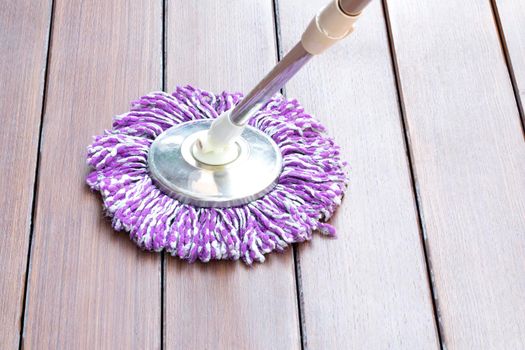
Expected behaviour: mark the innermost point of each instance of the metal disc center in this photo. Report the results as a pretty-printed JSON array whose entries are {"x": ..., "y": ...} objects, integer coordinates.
[
  {"x": 189, "y": 149},
  {"x": 251, "y": 175}
]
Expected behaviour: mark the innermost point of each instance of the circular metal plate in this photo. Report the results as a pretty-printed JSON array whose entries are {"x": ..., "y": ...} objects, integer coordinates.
[{"x": 251, "y": 175}]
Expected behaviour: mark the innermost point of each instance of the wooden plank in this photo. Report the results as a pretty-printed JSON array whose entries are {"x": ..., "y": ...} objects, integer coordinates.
[
  {"x": 368, "y": 288},
  {"x": 511, "y": 16},
  {"x": 469, "y": 157},
  {"x": 23, "y": 50},
  {"x": 227, "y": 45},
  {"x": 90, "y": 287}
]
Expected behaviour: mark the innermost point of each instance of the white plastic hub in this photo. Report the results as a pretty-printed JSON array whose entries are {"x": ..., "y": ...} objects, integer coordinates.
[
  {"x": 214, "y": 156},
  {"x": 218, "y": 145}
]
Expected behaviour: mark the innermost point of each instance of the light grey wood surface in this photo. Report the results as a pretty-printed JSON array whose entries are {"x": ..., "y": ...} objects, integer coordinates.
[
  {"x": 24, "y": 28},
  {"x": 511, "y": 16},
  {"x": 368, "y": 288},
  {"x": 229, "y": 45},
  {"x": 469, "y": 159},
  {"x": 89, "y": 287}
]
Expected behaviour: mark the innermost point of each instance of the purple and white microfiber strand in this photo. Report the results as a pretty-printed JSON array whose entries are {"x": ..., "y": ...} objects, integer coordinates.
[{"x": 309, "y": 190}]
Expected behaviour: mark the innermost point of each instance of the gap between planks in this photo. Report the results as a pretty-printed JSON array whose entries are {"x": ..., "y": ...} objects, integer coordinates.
[
  {"x": 508, "y": 61},
  {"x": 413, "y": 175},
  {"x": 36, "y": 179},
  {"x": 295, "y": 250},
  {"x": 163, "y": 254}
]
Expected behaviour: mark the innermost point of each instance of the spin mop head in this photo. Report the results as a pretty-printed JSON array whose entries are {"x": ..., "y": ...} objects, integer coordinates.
[{"x": 308, "y": 191}]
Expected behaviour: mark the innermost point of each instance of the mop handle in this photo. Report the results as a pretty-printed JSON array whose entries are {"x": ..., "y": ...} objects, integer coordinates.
[{"x": 331, "y": 24}]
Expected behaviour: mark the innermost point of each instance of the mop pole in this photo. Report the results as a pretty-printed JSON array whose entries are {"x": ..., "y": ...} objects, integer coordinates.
[{"x": 333, "y": 23}]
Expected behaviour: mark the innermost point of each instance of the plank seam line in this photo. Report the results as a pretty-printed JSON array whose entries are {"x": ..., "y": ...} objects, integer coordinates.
[
  {"x": 295, "y": 250},
  {"x": 508, "y": 63},
  {"x": 164, "y": 58},
  {"x": 163, "y": 254},
  {"x": 36, "y": 177},
  {"x": 300, "y": 296},
  {"x": 413, "y": 177}
]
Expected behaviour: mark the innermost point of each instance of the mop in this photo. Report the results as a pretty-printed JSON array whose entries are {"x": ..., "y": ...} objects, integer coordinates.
[{"x": 209, "y": 176}]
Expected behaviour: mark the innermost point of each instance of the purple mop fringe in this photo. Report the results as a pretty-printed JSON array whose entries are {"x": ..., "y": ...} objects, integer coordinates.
[{"x": 309, "y": 190}]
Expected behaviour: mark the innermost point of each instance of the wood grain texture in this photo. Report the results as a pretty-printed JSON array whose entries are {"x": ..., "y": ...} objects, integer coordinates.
[
  {"x": 469, "y": 158},
  {"x": 227, "y": 45},
  {"x": 368, "y": 288},
  {"x": 24, "y": 28},
  {"x": 511, "y": 15},
  {"x": 91, "y": 288}
]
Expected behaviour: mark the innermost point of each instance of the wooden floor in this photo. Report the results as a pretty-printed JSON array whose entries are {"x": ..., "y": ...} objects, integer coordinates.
[{"x": 426, "y": 98}]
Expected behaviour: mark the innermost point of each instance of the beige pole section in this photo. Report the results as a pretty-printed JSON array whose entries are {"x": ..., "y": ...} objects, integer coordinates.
[{"x": 353, "y": 7}]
